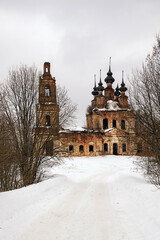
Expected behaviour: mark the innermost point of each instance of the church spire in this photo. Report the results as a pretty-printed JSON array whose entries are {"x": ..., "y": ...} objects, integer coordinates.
[
  {"x": 95, "y": 92},
  {"x": 110, "y": 64},
  {"x": 100, "y": 77},
  {"x": 109, "y": 78},
  {"x": 123, "y": 88},
  {"x": 117, "y": 92},
  {"x": 95, "y": 81},
  {"x": 100, "y": 84}
]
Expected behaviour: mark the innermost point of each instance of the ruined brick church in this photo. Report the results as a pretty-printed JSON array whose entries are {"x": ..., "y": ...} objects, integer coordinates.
[{"x": 110, "y": 122}]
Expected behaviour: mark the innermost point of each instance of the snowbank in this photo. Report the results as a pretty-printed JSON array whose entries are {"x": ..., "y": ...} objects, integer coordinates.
[{"x": 85, "y": 198}]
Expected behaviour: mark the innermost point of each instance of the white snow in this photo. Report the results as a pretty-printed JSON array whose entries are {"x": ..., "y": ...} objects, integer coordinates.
[
  {"x": 96, "y": 198},
  {"x": 73, "y": 129},
  {"x": 109, "y": 129},
  {"x": 48, "y": 103},
  {"x": 100, "y": 109},
  {"x": 112, "y": 105}
]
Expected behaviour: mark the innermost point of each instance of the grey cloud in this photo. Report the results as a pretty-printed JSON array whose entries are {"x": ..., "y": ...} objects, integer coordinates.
[{"x": 77, "y": 37}]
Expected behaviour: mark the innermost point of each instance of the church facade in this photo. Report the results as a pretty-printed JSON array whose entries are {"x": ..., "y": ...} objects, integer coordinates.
[{"x": 110, "y": 122}]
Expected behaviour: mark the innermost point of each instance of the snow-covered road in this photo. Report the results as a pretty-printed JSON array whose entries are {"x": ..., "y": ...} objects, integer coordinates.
[
  {"x": 84, "y": 213},
  {"x": 98, "y": 198}
]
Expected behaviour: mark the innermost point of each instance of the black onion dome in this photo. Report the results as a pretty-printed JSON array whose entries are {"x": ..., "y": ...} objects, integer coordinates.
[
  {"x": 109, "y": 78},
  {"x": 94, "y": 93},
  {"x": 123, "y": 88},
  {"x": 95, "y": 89},
  {"x": 117, "y": 92},
  {"x": 100, "y": 84}
]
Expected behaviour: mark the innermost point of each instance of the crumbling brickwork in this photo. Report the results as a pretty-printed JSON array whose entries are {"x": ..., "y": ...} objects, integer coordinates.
[{"x": 110, "y": 122}]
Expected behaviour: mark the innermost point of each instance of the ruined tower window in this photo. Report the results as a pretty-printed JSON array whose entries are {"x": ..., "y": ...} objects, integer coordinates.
[
  {"x": 81, "y": 148},
  {"x": 123, "y": 124},
  {"x": 71, "y": 149},
  {"x": 48, "y": 123},
  {"x": 105, "y": 147},
  {"x": 123, "y": 147},
  {"x": 105, "y": 123},
  {"x": 49, "y": 148},
  {"x": 114, "y": 124},
  {"x": 139, "y": 147},
  {"x": 91, "y": 148},
  {"x": 47, "y": 91}
]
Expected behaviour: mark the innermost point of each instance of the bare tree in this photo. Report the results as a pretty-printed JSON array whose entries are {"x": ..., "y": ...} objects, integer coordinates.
[
  {"x": 9, "y": 171},
  {"x": 145, "y": 100},
  {"x": 18, "y": 100},
  {"x": 22, "y": 148},
  {"x": 66, "y": 107}
]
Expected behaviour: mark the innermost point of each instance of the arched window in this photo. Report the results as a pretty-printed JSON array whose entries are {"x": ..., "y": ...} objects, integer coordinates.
[
  {"x": 123, "y": 147},
  {"x": 91, "y": 148},
  {"x": 105, "y": 123},
  {"x": 139, "y": 147},
  {"x": 47, "y": 91},
  {"x": 105, "y": 147},
  {"x": 48, "y": 122},
  {"x": 114, "y": 124},
  {"x": 49, "y": 148},
  {"x": 81, "y": 148},
  {"x": 71, "y": 149},
  {"x": 123, "y": 124}
]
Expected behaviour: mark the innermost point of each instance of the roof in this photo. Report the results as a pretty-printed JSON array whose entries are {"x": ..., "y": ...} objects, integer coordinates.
[
  {"x": 115, "y": 131},
  {"x": 107, "y": 132}
]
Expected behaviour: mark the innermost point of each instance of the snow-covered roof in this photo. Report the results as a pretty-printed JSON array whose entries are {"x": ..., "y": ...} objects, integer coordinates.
[
  {"x": 73, "y": 129},
  {"x": 48, "y": 103},
  {"x": 100, "y": 109},
  {"x": 109, "y": 129},
  {"x": 111, "y": 106}
]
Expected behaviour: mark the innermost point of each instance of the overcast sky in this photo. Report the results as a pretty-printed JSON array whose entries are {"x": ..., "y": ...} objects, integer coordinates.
[{"x": 77, "y": 38}]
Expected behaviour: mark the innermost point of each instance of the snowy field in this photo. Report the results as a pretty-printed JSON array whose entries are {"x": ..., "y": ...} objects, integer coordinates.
[{"x": 96, "y": 198}]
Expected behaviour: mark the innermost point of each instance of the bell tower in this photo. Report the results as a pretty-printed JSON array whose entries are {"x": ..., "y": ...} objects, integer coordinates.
[
  {"x": 47, "y": 86},
  {"x": 47, "y": 112}
]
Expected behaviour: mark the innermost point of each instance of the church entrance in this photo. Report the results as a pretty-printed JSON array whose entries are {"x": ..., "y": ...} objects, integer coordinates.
[{"x": 115, "y": 149}]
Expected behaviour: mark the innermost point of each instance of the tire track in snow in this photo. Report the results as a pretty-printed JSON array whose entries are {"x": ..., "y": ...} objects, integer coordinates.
[
  {"x": 84, "y": 214},
  {"x": 87, "y": 212}
]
